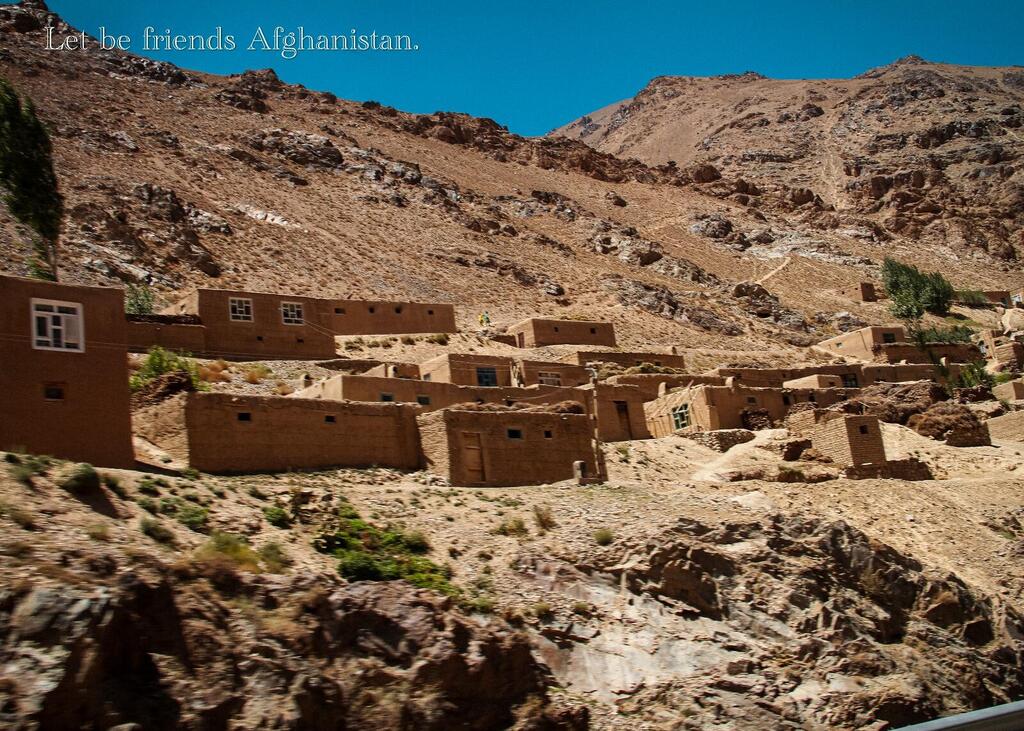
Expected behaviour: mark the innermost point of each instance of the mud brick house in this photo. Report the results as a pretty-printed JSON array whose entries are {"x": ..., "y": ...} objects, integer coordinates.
[
  {"x": 650, "y": 384},
  {"x": 64, "y": 372},
  {"x": 619, "y": 410},
  {"x": 1001, "y": 297},
  {"x": 469, "y": 369},
  {"x": 239, "y": 325},
  {"x": 849, "y": 440},
  {"x": 548, "y": 373},
  {"x": 708, "y": 408},
  {"x": 818, "y": 380},
  {"x": 1009, "y": 391},
  {"x": 433, "y": 395},
  {"x": 862, "y": 292},
  {"x": 863, "y": 343},
  {"x": 536, "y": 332},
  {"x": 504, "y": 448},
  {"x": 370, "y": 317},
  {"x": 626, "y": 360},
  {"x": 225, "y": 433}
]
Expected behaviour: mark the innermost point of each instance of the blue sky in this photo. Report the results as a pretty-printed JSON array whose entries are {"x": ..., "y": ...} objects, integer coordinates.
[{"x": 536, "y": 64}]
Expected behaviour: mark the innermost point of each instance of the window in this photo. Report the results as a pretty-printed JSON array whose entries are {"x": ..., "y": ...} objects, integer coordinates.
[
  {"x": 387, "y": 397},
  {"x": 427, "y": 376},
  {"x": 487, "y": 376},
  {"x": 398, "y": 310},
  {"x": 330, "y": 419},
  {"x": 888, "y": 338},
  {"x": 372, "y": 310},
  {"x": 423, "y": 400},
  {"x": 812, "y": 398},
  {"x": 244, "y": 416},
  {"x": 339, "y": 310},
  {"x": 549, "y": 378},
  {"x": 556, "y": 328},
  {"x": 681, "y": 416},
  {"x": 53, "y": 391},
  {"x": 863, "y": 428},
  {"x": 57, "y": 326},
  {"x": 548, "y": 434},
  {"x": 240, "y": 309},
  {"x": 785, "y": 399},
  {"x": 593, "y": 331},
  {"x": 291, "y": 313},
  {"x": 300, "y": 340},
  {"x": 259, "y": 338},
  {"x": 850, "y": 380},
  {"x": 430, "y": 312},
  {"x": 751, "y": 400},
  {"x": 515, "y": 433}
]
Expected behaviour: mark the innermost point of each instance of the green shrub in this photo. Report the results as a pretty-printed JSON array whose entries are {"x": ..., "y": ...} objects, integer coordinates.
[
  {"x": 954, "y": 334},
  {"x": 233, "y": 548},
  {"x": 913, "y": 292},
  {"x": 542, "y": 610},
  {"x": 277, "y": 516},
  {"x": 480, "y": 605},
  {"x": 972, "y": 298},
  {"x": 157, "y": 531},
  {"x": 368, "y": 553},
  {"x": 82, "y": 479},
  {"x": 190, "y": 473},
  {"x": 159, "y": 361},
  {"x": 98, "y": 532},
  {"x": 139, "y": 299},
  {"x": 22, "y": 473},
  {"x": 147, "y": 486},
  {"x": 28, "y": 178},
  {"x": 194, "y": 518},
  {"x": 974, "y": 374},
  {"x": 113, "y": 483},
  {"x": 603, "y": 536},
  {"x": 149, "y": 505}
]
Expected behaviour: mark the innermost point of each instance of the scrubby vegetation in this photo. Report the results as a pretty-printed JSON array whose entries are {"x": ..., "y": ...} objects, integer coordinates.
[
  {"x": 159, "y": 361},
  {"x": 368, "y": 553},
  {"x": 512, "y": 527},
  {"x": 157, "y": 531},
  {"x": 603, "y": 536},
  {"x": 974, "y": 374},
  {"x": 27, "y": 175},
  {"x": 81, "y": 479},
  {"x": 139, "y": 299},
  {"x": 277, "y": 516}
]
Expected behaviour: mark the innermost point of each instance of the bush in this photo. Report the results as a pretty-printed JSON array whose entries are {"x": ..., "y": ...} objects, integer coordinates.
[
  {"x": 972, "y": 298},
  {"x": 139, "y": 299},
  {"x": 542, "y": 610},
  {"x": 159, "y": 361},
  {"x": 20, "y": 517},
  {"x": 603, "y": 536},
  {"x": 543, "y": 518},
  {"x": 82, "y": 479},
  {"x": 954, "y": 334},
  {"x": 274, "y": 558},
  {"x": 157, "y": 531},
  {"x": 148, "y": 486},
  {"x": 438, "y": 338},
  {"x": 98, "y": 532},
  {"x": 194, "y": 517},
  {"x": 149, "y": 505},
  {"x": 256, "y": 373},
  {"x": 512, "y": 527},
  {"x": 277, "y": 516},
  {"x": 974, "y": 374},
  {"x": 480, "y": 605},
  {"x": 368, "y": 553},
  {"x": 232, "y": 547},
  {"x": 27, "y": 175},
  {"x": 113, "y": 483}
]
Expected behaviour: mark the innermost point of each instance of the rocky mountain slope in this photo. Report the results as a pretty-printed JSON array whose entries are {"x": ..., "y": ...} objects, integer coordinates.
[
  {"x": 184, "y": 179},
  {"x": 914, "y": 150}
]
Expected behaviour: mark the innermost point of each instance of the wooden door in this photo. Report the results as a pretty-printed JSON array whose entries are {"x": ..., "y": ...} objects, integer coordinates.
[
  {"x": 622, "y": 412},
  {"x": 473, "y": 457}
]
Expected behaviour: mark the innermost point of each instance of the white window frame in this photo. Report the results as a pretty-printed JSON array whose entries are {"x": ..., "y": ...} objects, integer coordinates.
[
  {"x": 77, "y": 318},
  {"x": 549, "y": 378},
  {"x": 243, "y": 316},
  {"x": 290, "y": 319}
]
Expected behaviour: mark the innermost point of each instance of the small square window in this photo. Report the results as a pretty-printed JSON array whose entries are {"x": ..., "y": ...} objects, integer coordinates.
[
  {"x": 863, "y": 428},
  {"x": 53, "y": 391},
  {"x": 556, "y": 328},
  {"x": 240, "y": 309},
  {"x": 387, "y": 397},
  {"x": 548, "y": 434},
  {"x": 812, "y": 398},
  {"x": 259, "y": 338},
  {"x": 487, "y": 377},
  {"x": 372, "y": 310},
  {"x": 426, "y": 376},
  {"x": 430, "y": 312},
  {"x": 593, "y": 331},
  {"x": 751, "y": 400},
  {"x": 300, "y": 340},
  {"x": 398, "y": 310},
  {"x": 244, "y": 416},
  {"x": 330, "y": 418},
  {"x": 888, "y": 338},
  {"x": 549, "y": 378},
  {"x": 785, "y": 399},
  {"x": 339, "y": 310},
  {"x": 423, "y": 400},
  {"x": 292, "y": 313},
  {"x": 515, "y": 433},
  {"x": 57, "y": 326}
]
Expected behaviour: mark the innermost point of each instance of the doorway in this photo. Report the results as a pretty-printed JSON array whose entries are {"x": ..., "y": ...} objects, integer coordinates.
[{"x": 473, "y": 457}]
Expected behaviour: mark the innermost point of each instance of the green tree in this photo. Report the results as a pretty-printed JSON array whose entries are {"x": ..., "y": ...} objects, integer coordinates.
[
  {"x": 139, "y": 299},
  {"x": 26, "y": 172},
  {"x": 912, "y": 292}
]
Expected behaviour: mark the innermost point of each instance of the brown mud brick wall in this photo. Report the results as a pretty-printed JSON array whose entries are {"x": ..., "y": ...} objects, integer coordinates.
[
  {"x": 850, "y": 440},
  {"x": 366, "y": 317},
  {"x": 537, "y": 332},
  {"x": 953, "y": 352},
  {"x": 650, "y": 383},
  {"x": 506, "y": 448},
  {"x": 1010, "y": 391},
  {"x": 856, "y": 374},
  {"x": 69, "y": 404},
  {"x": 461, "y": 368},
  {"x": 627, "y": 359},
  {"x": 863, "y": 342},
  {"x": 230, "y": 433},
  {"x": 436, "y": 394},
  {"x": 529, "y": 372},
  {"x": 620, "y": 412}
]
